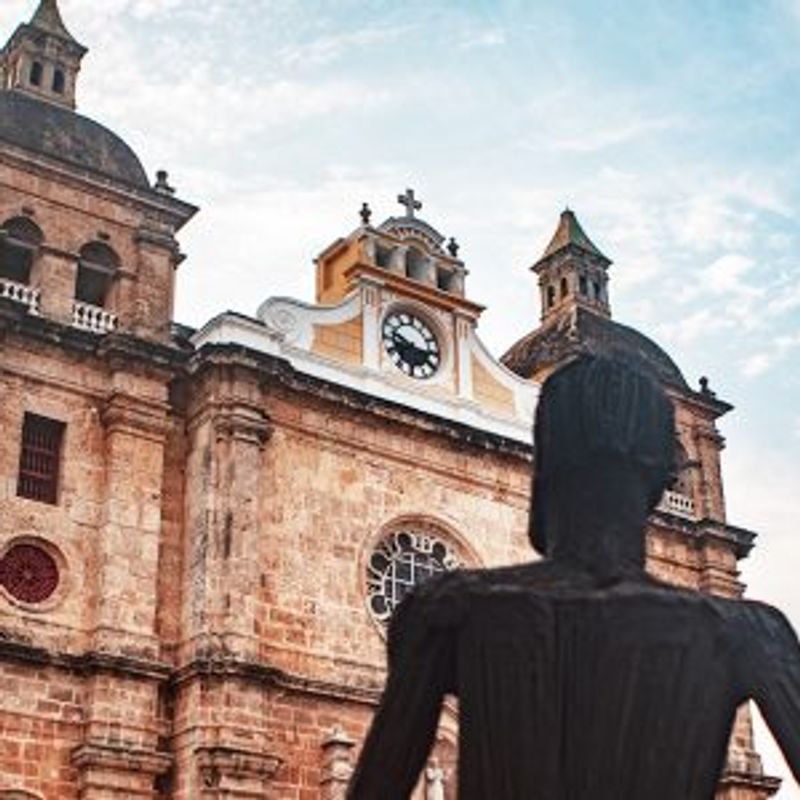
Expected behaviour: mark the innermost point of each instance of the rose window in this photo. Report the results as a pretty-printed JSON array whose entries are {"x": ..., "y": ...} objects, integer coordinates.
[
  {"x": 400, "y": 562},
  {"x": 29, "y": 573}
]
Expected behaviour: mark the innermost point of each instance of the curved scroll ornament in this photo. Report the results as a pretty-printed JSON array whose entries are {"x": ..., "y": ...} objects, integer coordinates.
[
  {"x": 401, "y": 561},
  {"x": 29, "y": 573}
]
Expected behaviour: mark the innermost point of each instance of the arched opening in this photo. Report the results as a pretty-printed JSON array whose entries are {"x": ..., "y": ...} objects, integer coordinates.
[
  {"x": 551, "y": 296},
  {"x": 583, "y": 285},
  {"x": 416, "y": 265},
  {"x": 58, "y": 81},
  {"x": 20, "y": 239},
  {"x": 97, "y": 269},
  {"x": 598, "y": 290},
  {"x": 564, "y": 288},
  {"x": 36, "y": 74},
  {"x": 444, "y": 279},
  {"x": 383, "y": 257}
]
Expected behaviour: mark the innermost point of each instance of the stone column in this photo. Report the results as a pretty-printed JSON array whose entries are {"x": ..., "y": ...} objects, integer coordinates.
[
  {"x": 158, "y": 255},
  {"x": 708, "y": 445},
  {"x": 337, "y": 764},
  {"x": 228, "y": 430},
  {"x": 55, "y": 274}
]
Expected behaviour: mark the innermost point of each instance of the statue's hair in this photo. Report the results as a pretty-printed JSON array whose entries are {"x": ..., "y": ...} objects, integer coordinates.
[{"x": 597, "y": 412}]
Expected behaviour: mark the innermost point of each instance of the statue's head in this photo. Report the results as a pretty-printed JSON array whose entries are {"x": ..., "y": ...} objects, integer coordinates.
[{"x": 599, "y": 423}]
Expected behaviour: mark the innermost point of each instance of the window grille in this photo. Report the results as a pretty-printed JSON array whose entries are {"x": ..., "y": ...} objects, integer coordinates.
[{"x": 40, "y": 457}]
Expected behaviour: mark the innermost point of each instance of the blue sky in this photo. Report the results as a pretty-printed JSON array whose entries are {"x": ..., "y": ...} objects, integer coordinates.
[{"x": 671, "y": 129}]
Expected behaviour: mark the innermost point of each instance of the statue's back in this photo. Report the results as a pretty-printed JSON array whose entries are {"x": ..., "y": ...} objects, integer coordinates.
[{"x": 586, "y": 694}]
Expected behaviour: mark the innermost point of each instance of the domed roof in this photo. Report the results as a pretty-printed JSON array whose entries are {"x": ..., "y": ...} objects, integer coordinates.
[
  {"x": 584, "y": 332},
  {"x": 62, "y": 134}
]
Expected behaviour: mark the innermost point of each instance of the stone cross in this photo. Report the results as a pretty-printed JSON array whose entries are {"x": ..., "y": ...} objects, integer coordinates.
[{"x": 410, "y": 202}]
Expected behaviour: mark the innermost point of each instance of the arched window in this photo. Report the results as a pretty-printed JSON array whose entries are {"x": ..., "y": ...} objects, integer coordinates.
[
  {"x": 97, "y": 268},
  {"x": 383, "y": 257},
  {"x": 564, "y": 288},
  {"x": 583, "y": 285},
  {"x": 20, "y": 239},
  {"x": 58, "y": 81},
  {"x": 416, "y": 265},
  {"x": 36, "y": 74},
  {"x": 598, "y": 290},
  {"x": 551, "y": 296}
]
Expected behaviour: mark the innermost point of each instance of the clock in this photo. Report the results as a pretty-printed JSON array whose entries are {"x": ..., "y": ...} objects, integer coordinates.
[{"x": 410, "y": 344}]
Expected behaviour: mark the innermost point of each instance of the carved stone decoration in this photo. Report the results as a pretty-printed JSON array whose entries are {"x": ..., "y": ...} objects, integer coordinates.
[
  {"x": 337, "y": 764},
  {"x": 402, "y": 560},
  {"x": 226, "y": 771},
  {"x": 29, "y": 573}
]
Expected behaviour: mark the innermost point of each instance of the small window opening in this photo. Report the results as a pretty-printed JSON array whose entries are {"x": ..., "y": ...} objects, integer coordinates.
[
  {"x": 583, "y": 285},
  {"x": 598, "y": 292},
  {"x": 36, "y": 74},
  {"x": 40, "y": 458},
  {"x": 58, "y": 81},
  {"x": 416, "y": 265},
  {"x": 97, "y": 268},
  {"x": 551, "y": 296},
  {"x": 383, "y": 257},
  {"x": 564, "y": 288},
  {"x": 19, "y": 242},
  {"x": 444, "y": 280}
]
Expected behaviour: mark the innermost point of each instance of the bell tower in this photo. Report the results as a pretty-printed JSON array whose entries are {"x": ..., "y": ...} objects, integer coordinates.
[
  {"x": 42, "y": 58},
  {"x": 573, "y": 273}
]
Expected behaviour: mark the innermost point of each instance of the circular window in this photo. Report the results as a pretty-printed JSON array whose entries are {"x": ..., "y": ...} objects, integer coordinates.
[
  {"x": 29, "y": 573},
  {"x": 401, "y": 561}
]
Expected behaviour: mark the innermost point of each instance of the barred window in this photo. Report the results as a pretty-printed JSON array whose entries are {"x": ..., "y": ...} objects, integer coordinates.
[{"x": 39, "y": 458}]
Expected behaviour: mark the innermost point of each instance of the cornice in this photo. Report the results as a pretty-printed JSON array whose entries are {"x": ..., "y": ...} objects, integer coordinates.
[{"x": 275, "y": 370}]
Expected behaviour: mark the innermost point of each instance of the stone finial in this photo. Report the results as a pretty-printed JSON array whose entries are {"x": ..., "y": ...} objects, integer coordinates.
[
  {"x": 704, "y": 387},
  {"x": 453, "y": 247},
  {"x": 365, "y": 213},
  {"x": 162, "y": 183},
  {"x": 337, "y": 764}
]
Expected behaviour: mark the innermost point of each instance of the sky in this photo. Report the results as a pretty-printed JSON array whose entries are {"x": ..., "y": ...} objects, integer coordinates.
[{"x": 670, "y": 128}]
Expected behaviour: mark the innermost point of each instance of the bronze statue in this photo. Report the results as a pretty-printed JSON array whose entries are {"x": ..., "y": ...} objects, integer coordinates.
[{"x": 581, "y": 677}]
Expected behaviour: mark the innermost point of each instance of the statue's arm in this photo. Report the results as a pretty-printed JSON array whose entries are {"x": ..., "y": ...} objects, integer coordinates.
[
  {"x": 404, "y": 727},
  {"x": 774, "y": 679}
]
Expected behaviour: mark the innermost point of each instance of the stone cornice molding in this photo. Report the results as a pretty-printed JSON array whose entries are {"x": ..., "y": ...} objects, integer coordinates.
[
  {"x": 217, "y": 762},
  {"x": 120, "y": 757},
  {"x": 177, "y": 211},
  {"x": 135, "y": 415},
  {"x": 272, "y": 370}
]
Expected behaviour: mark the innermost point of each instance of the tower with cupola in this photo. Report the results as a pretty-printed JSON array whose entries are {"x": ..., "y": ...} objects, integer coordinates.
[{"x": 42, "y": 58}]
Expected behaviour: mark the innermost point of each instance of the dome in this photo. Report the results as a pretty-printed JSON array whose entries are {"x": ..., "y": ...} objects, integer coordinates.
[
  {"x": 589, "y": 333},
  {"x": 60, "y": 133}
]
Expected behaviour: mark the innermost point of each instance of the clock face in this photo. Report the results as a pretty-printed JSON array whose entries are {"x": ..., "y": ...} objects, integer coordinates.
[{"x": 411, "y": 345}]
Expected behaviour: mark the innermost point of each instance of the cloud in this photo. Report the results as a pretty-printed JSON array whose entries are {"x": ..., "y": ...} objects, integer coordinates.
[
  {"x": 493, "y": 37},
  {"x": 326, "y": 49},
  {"x": 725, "y": 275},
  {"x": 599, "y": 138},
  {"x": 758, "y": 363}
]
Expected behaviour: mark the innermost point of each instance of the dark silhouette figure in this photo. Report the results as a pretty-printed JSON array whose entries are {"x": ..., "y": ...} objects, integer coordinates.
[{"x": 580, "y": 676}]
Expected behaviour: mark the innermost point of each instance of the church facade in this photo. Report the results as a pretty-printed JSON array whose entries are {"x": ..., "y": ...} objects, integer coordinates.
[{"x": 204, "y": 532}]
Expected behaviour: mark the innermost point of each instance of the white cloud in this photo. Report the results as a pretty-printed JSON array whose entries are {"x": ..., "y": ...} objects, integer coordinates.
[
  {"x": 725, "y": 275},
  {"x": 599, "y": 137},
  {"x": 774, "y": 353},
  {"x": 493, "y": 37}
]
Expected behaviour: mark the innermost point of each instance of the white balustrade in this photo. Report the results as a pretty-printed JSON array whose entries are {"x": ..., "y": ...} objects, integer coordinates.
[
  {"x": 20, "y": 293},
  {"x": 678, "y": 504},
  {"x": 93, "y": 318}
]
